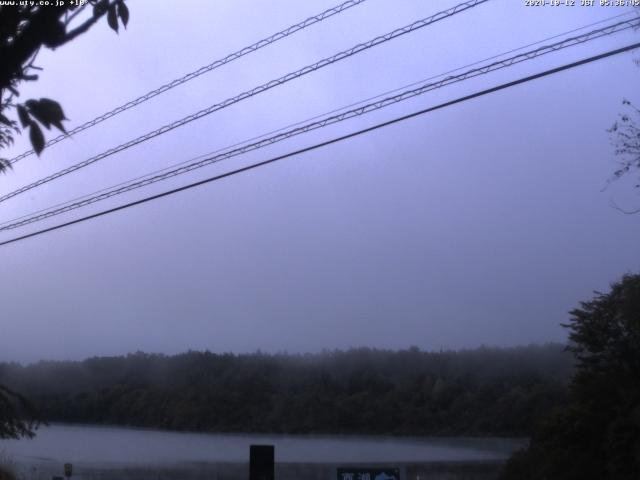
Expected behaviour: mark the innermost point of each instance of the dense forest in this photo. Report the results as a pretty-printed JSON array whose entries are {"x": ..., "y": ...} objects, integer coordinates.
[
  {"x": 596, "y": 434},
  {"x": 486, "y": 391}
]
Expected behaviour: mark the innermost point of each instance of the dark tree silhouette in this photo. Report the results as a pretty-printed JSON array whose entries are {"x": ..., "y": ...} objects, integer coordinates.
[
  {"x": 410, "y": 392},
  {"x": 625, "y": 136},
  {"x": 18, "y": 417},
  {"x": 24, "y": 30},
  {"x": 597, "y": 436}
]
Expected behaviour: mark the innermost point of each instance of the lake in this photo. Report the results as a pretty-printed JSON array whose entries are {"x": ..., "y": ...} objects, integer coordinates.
[{"x": 115, "y": 452}]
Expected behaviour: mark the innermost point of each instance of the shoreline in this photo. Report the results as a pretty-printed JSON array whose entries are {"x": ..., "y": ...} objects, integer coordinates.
[
  {"x": 354, "y": 436},
  {"x": 434, "y": 470},
  {"x": 121, "y": 453}
]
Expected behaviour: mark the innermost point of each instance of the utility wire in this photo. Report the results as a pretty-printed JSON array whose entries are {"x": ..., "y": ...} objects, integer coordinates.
[
  {"x": 202, "y": 70},
  {"x": 344, "y": 107},
  {"x": 332, "y": 141},
  {"x": 300, "y": 122},
  {"x": 250, "y": 93},
  {"x": 425, "y": 87}
]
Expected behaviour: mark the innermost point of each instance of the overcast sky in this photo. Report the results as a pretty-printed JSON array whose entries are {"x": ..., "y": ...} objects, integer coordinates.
[{"x": 482, "y": 223}]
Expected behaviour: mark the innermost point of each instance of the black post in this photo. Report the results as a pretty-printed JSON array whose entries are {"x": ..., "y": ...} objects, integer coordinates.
[{"x": 261, "y": 462}]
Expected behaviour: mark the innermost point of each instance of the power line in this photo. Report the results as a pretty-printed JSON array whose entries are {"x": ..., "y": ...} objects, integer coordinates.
[
  {"x": 425, "y": 87},
  {"x": 112, "y": 191},
  {"x": 150, "y": 174},
  {"x": 332, "y": 141},
  {"x": 250, "y": 93},
  {"x": 201, "y": 71},
  {"x": 300, "y": 122}
]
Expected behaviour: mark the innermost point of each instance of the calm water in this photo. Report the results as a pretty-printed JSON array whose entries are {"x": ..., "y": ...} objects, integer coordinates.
[{"x": 103, "y": 448}]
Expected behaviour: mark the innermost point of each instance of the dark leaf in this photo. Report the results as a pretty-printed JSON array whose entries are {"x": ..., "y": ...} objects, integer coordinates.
[
  {"x": 6, "y": 121},
  {"x": 48, "y": 112},
  {"x": 6, "y": 138},
  {"x": 59, "y": 126},
  {"x": 123, "y": 13},
  {"x": 112, "y": 18},
  {"x": 53, "y": 33},
  {"x": 38, "y": 113},
  {"x": 36, "y": 137},
  {"x": 53, "y": 107},
  {"x": 99, "y": 7},
  {"x": 5, "y": 165},
  {"x": 23, "y": 115}
]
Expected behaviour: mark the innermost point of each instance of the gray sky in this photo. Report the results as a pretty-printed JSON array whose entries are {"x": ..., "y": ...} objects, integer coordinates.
[{"x": 483, "y": 223}]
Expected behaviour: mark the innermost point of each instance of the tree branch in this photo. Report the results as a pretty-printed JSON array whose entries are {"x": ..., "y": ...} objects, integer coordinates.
[
  {"x": 620, "y": 209},
  {"x": 75, "y": 14},
  {"x": 82, "y": 28}
]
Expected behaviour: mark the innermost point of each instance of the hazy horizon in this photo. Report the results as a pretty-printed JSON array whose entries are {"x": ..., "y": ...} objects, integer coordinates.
[
  {"x": 481, "y": 223},
  {"x": 285, "y": 353}
]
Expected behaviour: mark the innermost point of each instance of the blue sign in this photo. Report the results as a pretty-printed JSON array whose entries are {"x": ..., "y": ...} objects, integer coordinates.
[{"x": 358, "y": 473}]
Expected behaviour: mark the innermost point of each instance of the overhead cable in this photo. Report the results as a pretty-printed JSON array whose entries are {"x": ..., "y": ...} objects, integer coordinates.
[
  {"x": 370, "y": 107},
  {"x": 201, "y": 71},
  {"x": 255, "y": 91},
  {"x": 329, "y": 142}
]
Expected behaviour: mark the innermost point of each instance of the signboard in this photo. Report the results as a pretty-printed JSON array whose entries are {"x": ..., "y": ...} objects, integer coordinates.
[
  {"x": 261, "y": 462},
  {"x": 363, "y": 473}
]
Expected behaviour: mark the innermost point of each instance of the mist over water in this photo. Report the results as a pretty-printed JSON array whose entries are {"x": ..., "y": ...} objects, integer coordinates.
[
  {"x": 113, "y": 445},
  {"x": 94, "y": 449}
]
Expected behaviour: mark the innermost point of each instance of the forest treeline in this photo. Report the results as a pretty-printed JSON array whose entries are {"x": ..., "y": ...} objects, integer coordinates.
[{"x": 485, "y": 391}]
